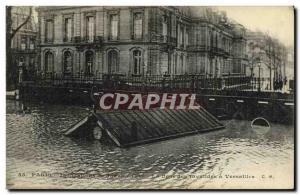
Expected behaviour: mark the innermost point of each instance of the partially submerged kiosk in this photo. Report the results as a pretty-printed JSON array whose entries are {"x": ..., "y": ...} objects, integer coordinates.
[{"x": 133, "y": 127}]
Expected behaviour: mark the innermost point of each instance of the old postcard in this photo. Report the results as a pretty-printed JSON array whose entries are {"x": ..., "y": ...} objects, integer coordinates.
[{"x": 150, "y": 97}]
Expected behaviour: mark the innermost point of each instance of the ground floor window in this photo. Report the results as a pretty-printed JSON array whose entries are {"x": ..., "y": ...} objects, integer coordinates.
[
  {"x": 89, "y": 63},
  {"x": 68, "y": 63},
  {"x": 137, "y": 62},
  {"x": 49, "y": 62},
  {"x": 113, "y": 61}
]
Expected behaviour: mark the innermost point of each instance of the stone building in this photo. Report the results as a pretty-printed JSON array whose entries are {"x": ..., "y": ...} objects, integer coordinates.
[
  {"x": 267, "y": 57},
  {"x": 24, "y": 42},
  {"x": 140, "y": 41}
]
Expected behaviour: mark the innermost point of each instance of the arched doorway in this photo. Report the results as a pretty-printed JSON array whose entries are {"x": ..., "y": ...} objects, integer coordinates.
[
  {"x": 68, "y": 63},
  {"x": 113, "y": 62},
  {"x": 89, "y": 63}
]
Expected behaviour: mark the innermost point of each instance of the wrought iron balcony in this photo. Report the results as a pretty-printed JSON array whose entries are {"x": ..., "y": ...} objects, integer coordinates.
[
  {"x": 168, "y": 40},
  {"x": 48, "y": 40},
  {"x": 87, "y": 39},
  {"x": 67, "y": 39},
  {"x": 26, "y": 50}
]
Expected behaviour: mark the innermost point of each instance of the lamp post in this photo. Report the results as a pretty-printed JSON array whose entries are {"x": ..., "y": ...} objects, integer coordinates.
[{"x": 259, "y": 65}]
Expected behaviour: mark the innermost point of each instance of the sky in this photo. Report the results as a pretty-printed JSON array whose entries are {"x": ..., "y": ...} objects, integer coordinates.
[{"x": 277, "y": 21}]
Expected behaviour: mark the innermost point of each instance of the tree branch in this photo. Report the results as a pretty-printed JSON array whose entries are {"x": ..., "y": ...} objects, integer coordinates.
[{"x": 19, "y": 27}]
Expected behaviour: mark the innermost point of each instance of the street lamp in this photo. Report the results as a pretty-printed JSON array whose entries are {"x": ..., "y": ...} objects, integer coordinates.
[{"x": 259, "y": 65}]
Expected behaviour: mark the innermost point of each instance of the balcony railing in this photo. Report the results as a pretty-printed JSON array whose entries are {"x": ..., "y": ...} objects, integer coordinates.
[
  {"x": 48, "y": 40},
  {"x": 168, "y": 39},
  {"x": 87, "y": 39},
  {"x": 26, "y": 50}
]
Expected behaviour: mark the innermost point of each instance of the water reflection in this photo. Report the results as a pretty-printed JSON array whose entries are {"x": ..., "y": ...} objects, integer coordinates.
[{"x": 35, "y": 143}]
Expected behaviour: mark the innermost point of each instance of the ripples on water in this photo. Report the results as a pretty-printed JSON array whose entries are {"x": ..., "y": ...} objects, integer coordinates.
[{"x": 35, "y": 144}]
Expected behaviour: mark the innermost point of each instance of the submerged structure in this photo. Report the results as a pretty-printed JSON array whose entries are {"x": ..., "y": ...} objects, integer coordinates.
[{"x": 134, "y": 127}]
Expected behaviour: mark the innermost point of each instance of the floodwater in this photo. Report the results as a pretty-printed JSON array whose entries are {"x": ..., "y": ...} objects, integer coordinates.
[{"x": 39, "y": 156}]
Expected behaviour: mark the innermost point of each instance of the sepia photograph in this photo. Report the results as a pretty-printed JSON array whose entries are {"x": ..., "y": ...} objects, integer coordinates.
[{"x": 150, "y": 97}]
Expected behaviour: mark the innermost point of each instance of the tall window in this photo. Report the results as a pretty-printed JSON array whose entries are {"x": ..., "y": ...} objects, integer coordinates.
[
  {"x": 23, "y": 43},
  {"x": 202, "y": 69},
  {"x": 175, "y": 64},
  {"x": 216, "y": 40},
  {"x": 49, "y": 31},
  {"x": 182, "y": 35},
  {"x": 203, "y": 36},
  {"x": 113, "y": 61},
  {"x": 138, "y": 25},
  {"x": 68, "y": 29},
  {"x": 31, "y": 43},
  {"x": 137, "y": 61},
  {"x": 211, "y": 39},
  {"x": 114, "y": 25},
  {"x": 68, "y": 62},
  {"x": 165, "y": 26},
  {"x": 49, "y": 62},
  {"x": 89, "y": 62},
  {"x": 224, "y": 43},
  {"x": 182, "y": 63},
  {"x": 90, "y": 23},
  {"x": 179, "y": 34}
]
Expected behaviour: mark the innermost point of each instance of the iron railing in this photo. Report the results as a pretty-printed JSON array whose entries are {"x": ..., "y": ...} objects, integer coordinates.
[{"x": 149, "y": 82}]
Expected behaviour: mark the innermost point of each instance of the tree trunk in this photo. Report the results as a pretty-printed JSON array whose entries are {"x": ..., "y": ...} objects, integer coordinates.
[{"x": 10, "y": 66}]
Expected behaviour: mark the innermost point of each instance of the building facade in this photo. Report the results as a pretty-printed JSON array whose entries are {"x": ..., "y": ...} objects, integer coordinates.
[
  {"x": 140, "y": 41},
  {"x": 24, "y": 43},
  {"x": 267, "y": 58}
]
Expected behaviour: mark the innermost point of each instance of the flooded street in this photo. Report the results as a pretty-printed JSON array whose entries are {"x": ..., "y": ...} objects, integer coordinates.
[{"x": 40, "y": 156}]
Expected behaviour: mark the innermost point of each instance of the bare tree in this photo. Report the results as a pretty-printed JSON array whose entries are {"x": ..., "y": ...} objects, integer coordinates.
[{"x": 11, "y": 68}]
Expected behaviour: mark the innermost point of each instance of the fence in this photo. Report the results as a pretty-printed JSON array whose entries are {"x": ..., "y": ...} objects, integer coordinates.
[{"x": 149, "y": 82}]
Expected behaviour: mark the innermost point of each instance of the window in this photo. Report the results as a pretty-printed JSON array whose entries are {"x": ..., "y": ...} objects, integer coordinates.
[
  {"x": 137, "y": 61},
  {"x": 216, "y": 40},
  {"x": 164, "y": 62},
  {"x": 113, "y": 61},
  {"x": 165, "y": 26},
  {"x": 223, "y": 43},
  {"x": 89, "y": 63},
  {"x": 175, "y": 64},
  {"x": 197, "y": 36},
  {"x": 211, "y": 39},
  {"x": 23, "y": 43},
  {"x": 186, "y": 37},
  {"x": 68, "y": 29},
  {"x": 49, "y": 61},
  {"x": 32, "y": 61},
  {"x": 90, "y": 23},
  {"x": 68, "y": 62},
  {"x": 201, "y": 64},
  {"x": 203, "y": 36},
  {"x": 114, "y": 25},
  {"x": 182, "y": 63},
  {"x": 23, "y": 19},
  {"x": 28, "y": 25},
  {"x": 31, "y": 43},
  {"x": 182, "y": 36},
  {"x": 21, "y": 61},
  {"x": 49, "y": 31},
  {"x": 138, "y": 25}
]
